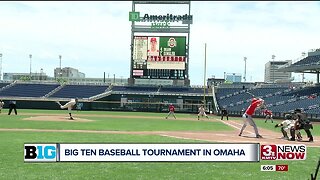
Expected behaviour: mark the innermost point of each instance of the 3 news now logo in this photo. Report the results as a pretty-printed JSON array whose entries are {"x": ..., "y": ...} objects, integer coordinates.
[
  {"x": 283, "y": 152},
  {"x": 40, "y": 152}
]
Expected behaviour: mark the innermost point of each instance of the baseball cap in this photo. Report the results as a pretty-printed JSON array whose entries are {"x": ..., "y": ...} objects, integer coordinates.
[{"x": 153, "y": 40}]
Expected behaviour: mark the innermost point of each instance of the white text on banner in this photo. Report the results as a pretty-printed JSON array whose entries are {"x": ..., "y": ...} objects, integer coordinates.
[{"x": 159, "y": 152}]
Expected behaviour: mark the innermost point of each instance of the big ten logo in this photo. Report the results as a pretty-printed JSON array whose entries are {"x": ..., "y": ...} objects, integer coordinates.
[
  {"x": 268, "y": 152},
  {"x": 40, "y": 152}
]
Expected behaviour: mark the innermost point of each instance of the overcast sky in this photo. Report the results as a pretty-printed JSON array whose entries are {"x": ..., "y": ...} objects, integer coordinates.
[{"x": 94, "y": 37}]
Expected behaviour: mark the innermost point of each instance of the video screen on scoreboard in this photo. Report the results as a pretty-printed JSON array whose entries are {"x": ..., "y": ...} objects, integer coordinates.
[{"x": 159, "y": 57}]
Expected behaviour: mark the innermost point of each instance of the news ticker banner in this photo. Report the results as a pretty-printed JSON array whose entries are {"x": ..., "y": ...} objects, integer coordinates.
[{"x": 244, "y": 152}]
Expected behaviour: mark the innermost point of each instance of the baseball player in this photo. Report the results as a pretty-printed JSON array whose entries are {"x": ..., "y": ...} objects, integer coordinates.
[
  {"x": 69, "y": 105},
  {"x": 247, "y": 116},
  {"x": 12, "y": 106},
  {"x": 286, "y": 127},
  {"x": 171, "y": 111},
  {"x": 202, "y": 112},
  {"x": 224, "y": 112},
  {"x": 301, "y": 122},
  {"x": 1, "y": 105},
  {"x": 268, "y": 114}
]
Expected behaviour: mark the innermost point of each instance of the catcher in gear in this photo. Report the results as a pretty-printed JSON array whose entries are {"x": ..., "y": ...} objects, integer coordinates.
[
  {"x": 286, "y": 126},
  {"x": 301, "y": 122}
]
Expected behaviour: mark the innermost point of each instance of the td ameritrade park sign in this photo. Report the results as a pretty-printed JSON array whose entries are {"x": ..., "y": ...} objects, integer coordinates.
[{"x": 160, "y": 21}]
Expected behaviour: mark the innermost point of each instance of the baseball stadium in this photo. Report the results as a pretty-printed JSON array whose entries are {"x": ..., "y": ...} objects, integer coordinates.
[{"x": 136, "y": 112}]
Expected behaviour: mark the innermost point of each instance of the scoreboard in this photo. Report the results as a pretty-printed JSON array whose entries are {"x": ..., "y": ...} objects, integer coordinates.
[{"x": 159, "y": 57}]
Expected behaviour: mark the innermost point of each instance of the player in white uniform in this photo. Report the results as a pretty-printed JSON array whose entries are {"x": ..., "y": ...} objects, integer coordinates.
[
  {"x": 69, "y": 105},
  {"x": 1, "y": 105},
  {"x": 286, "y": 125},
  {"x": 202, "y": 112}
]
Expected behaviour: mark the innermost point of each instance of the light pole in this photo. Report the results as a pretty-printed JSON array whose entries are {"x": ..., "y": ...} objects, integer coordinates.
[
  {"x": 273, "y": 67},
  {"x": 41, "y": 71},
  {"x": 204, "y": 75},
  {"x": 30, "y": 56},
  {"x": 60, "y": 71},
  {"x": 0, "y": 66},
  {"x": 245, "y": 69},
  {"x": 303, "y": 55}
]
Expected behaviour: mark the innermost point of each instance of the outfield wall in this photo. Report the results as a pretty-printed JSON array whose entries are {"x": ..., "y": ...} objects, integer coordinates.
[{"x": 129, "y": 102}]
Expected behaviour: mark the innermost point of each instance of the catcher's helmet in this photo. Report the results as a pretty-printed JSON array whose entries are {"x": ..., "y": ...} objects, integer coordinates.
[
  {"x": 288, "y": 116},
  {"x": 297, "y": 110}
]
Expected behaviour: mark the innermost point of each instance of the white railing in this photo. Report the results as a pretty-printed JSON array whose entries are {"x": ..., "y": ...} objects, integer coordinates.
[
  {"x": 54, "y": 91},
  {"x": 99, "y": 96}
]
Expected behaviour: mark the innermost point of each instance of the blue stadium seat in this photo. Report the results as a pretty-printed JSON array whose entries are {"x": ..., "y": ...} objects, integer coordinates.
[
  {"x": 80, "y": 91},
  {"x": 28, "y": 90}
]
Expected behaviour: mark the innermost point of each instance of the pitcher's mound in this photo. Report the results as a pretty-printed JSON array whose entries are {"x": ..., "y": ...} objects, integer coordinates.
[{"x": 56, "y": 118}]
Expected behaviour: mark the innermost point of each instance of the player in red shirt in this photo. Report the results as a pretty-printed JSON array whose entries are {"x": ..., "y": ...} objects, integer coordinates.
[
  {"x": 268, "y": 114},
  {"x": 171, "y": 111},
  {"x": 247, "y": 116}
]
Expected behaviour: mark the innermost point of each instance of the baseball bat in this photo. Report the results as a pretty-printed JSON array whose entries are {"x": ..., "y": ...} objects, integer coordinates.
[
  {"x": 263, "y": 106},
  {"x": 251, "y": 94}
]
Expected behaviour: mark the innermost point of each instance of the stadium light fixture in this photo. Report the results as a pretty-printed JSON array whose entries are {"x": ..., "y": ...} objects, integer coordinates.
[
  {"x": 273, "y": 67},
  {"x": 245, "y": 69},
  {"x": 30, "y": 56},
  {"x": 60, "y": 71},
  {"x": 204, "y": 74}
]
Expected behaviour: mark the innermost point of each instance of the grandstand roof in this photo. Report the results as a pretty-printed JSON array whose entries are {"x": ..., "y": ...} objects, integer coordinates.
[{"x": 309, "y": 64}]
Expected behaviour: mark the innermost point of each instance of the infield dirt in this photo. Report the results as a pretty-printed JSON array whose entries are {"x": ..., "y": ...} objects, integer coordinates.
[{"x": 269, "y": 137}]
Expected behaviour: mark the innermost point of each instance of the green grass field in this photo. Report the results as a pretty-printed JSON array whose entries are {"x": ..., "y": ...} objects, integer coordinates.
[{"x": 13, "y": 167}]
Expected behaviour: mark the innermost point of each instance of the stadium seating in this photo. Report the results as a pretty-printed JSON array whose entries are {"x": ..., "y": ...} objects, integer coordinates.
[
  {"x": 304, "y": 91},
  {"x": 310, "y": 60},
  {"x": 28, "y": 90},
  {"x": 279, "y": 100},
  {"x": 290, "y": 106},
  {"x": 183, "y": 90},
  {"x": 140, "y": 89},
  {"x": 3, "y": 85},
  {"x": 80, "y": 91},
  {"x": 165, "y": 90},
  {"x": 240, "y": 100}
]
